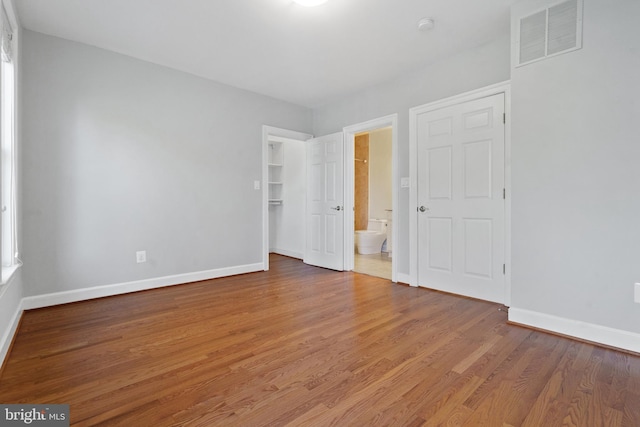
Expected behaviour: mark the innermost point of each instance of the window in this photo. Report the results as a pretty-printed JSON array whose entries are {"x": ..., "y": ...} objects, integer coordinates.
[{"x": 8, "y": 228}]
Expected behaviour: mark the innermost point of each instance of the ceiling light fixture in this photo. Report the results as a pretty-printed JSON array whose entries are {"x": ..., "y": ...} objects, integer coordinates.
[
  {"x": 310, "y": 3},
  {"x": 425, "y": 24}
]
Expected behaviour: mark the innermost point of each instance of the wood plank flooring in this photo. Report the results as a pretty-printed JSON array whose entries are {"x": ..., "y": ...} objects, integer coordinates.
[{"x": 304, "y": 346}]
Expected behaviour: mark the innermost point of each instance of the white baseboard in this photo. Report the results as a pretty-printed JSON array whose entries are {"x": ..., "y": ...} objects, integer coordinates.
[
  {"x": 66, "y": 297},
  {"x": 286, "y": 252},
  {"x": 404, "y": 278},
  {"x": 9, "y": 333},
  {"x": 586, "y": 331}
]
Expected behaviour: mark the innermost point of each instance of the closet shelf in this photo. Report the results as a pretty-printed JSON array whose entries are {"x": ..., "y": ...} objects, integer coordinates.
[{"x": 276, "y": 172}]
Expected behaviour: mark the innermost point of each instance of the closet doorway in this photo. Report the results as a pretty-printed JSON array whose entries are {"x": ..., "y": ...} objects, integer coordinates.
[{"x": 283, "y": 192}]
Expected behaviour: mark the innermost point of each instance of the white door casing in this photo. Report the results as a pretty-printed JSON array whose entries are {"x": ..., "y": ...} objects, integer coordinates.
[
  {"x": 325, "y": 202},
  {"x": 460, "y": 198}
]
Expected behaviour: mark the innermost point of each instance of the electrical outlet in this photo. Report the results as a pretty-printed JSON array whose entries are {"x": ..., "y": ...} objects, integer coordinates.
[
  {"x": 636, "y": 297},
  {"x": 141, "y": 256},
  {"x": 256, "y": 185},
  {"x": 405, "y": 182}
]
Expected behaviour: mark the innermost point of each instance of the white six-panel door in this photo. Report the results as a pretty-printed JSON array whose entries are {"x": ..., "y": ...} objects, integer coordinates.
[
  {"x": 325, "y": 202},
  {"x": 461, "y": 206}
]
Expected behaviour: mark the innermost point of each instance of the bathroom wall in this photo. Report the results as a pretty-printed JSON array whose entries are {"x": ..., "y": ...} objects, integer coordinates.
[
  {"x": 361, "y": 213},
  {"x": 380, "y": 152}
]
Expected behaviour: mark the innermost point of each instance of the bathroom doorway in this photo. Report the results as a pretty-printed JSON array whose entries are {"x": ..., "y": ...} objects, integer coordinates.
[
  {"x": 370, "y": 178},
  {"x": 373, "y": 250}
]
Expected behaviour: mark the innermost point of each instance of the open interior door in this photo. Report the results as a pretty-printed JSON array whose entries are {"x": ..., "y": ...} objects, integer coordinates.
[{"x": 325, "y": 202}]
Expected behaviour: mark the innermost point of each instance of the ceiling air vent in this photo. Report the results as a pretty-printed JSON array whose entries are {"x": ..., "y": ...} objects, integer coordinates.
[{"x": 552, "y": 31}]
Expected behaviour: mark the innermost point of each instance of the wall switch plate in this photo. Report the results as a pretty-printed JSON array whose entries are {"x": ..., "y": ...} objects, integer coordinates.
[
  {"x": 256, "y": 185},
  {"x": 141, "y": 256},
  {"x": 636, "y": 296},
  {"x": 405, "y": 182}
]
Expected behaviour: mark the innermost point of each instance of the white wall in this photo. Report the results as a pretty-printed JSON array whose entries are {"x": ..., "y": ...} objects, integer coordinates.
[
  {"x": 121, "y": 155},
  {"x": 380, "y": 154},
  {"x": 287, "y": 221},
  {"x": 576, "y": 175},
  {"x": 10, "y": 311},
  {"x": 12, "y": 292},
  {"x": 470, "y": 70}
]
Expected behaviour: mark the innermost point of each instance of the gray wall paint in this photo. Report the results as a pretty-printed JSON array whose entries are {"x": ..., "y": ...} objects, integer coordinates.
[
  {"x": 576, "y": 179},
  {"x": 121, "y": 155},
  {"x": 461, "y": 73}
]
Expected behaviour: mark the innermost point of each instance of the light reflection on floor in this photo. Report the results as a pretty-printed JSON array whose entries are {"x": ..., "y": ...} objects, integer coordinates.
[{"x": 374, "y": 265}]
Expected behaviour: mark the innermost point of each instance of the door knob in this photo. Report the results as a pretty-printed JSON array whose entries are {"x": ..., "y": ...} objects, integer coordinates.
[
  {"x": 337, "y": 208},
  {"x": 423, "y": 209}
]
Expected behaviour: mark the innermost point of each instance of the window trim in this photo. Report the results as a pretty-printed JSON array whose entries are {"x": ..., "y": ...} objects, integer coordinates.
[{"x": 8, "y": 271}]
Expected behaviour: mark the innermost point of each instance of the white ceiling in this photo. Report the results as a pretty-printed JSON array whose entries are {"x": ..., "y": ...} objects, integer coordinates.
[{"x": 307, "y": 56}]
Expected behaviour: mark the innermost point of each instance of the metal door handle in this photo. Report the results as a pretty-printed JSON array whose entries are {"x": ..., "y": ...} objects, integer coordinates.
[
  {"x": 337, "y": 208},
  {"x": 423, "y": 209}
]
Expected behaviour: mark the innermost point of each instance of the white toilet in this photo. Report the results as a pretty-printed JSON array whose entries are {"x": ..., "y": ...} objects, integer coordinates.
[{"x": 370, "y": 241}]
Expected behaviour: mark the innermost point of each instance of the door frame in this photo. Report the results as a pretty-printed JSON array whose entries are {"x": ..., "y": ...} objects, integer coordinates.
[
  {"x": 502, "y": 87},
  {"x": 269, "y": 131},
  {"x": 349, "y": 178}
]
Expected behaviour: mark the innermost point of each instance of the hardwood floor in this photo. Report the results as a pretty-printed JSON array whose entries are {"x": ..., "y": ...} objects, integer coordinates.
[{"x": 300, "y": 345}]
